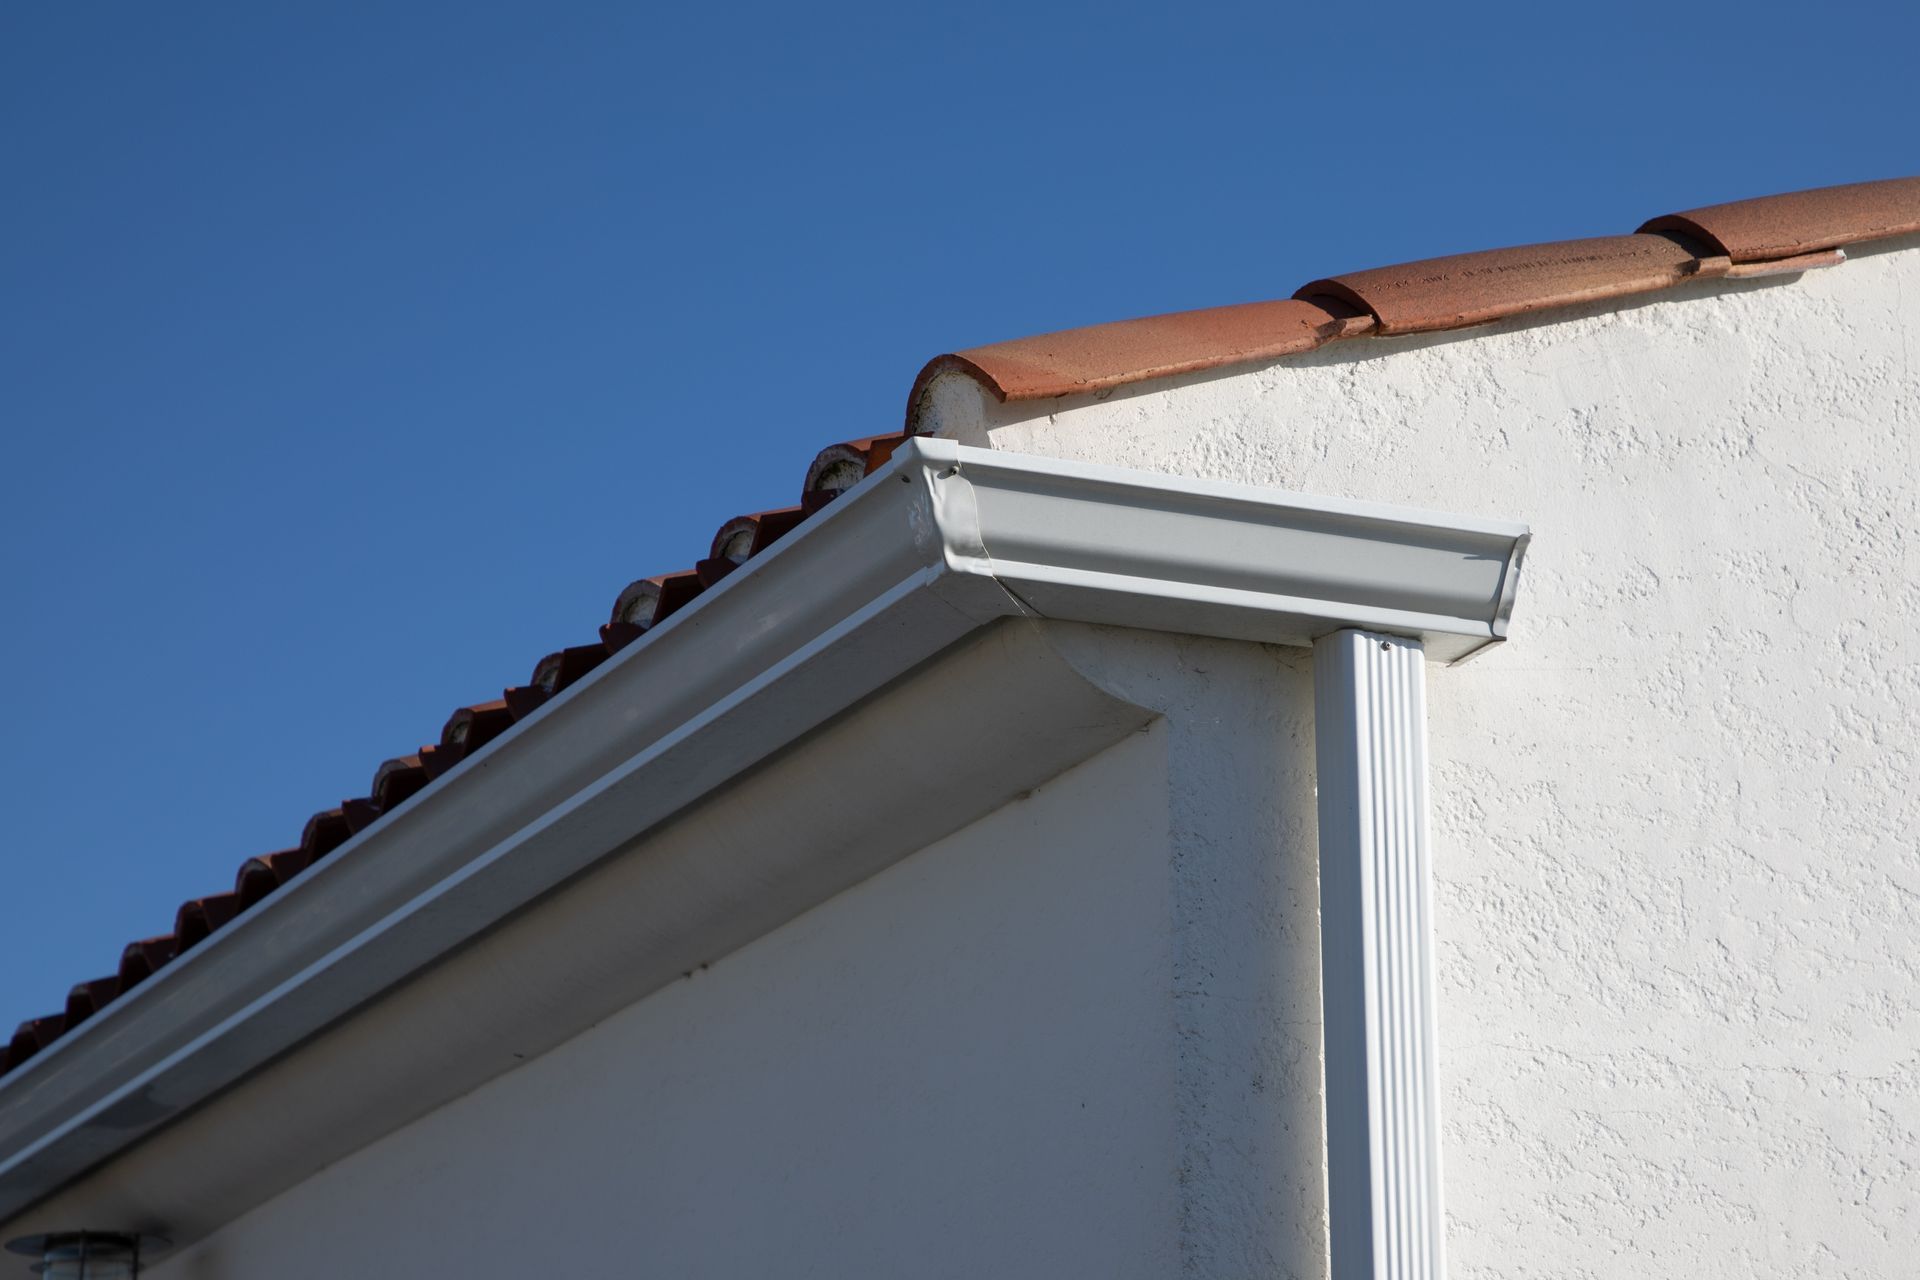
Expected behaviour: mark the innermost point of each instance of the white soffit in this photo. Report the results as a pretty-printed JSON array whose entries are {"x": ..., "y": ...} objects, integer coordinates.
[{"x": 941, "y": 541}]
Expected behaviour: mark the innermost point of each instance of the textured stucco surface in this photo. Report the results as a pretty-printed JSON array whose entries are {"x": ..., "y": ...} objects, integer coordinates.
[
  {"x": 1243, "y": 934},
  {"x": 1676, "y": 827}
]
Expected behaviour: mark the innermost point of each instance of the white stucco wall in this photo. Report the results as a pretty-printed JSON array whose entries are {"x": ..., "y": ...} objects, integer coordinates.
[
  {"x": 1079, "y": 1037},
  {"x": 1678, "y": 821},
  {"x": 955, "y": 1069}
]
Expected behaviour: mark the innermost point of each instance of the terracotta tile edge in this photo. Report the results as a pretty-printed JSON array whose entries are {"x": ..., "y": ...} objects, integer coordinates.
[{"x": 1049, "y": 383}]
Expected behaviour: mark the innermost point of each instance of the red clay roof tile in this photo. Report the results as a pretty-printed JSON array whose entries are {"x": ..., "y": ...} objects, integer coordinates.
[
  {"x": 615, "y": 636},
  {"x": 396, "y": 781},
  {"x": 471, "y": 728},
  {"x": 33, "y": 1035},
  {"x": 1473, "y": 288},
  {"x": 360, "y": 813},
  {"x": 551, "y": 675},
  {"x": 734, "y": 542},
  {"x": 839, "y": 467},
  {"x": 254, "y": 881},
  {"x": 260, "y": 876},
  {"x": 711, "y": 569},
  {"x": 835, "y": 471},
  {"x": 744, "y": 537},
  {"x": 557, "y": 672},
  {"x": 645, "y": 602},
  {"x": 1110, "y": 355},
  {"x": 200, "y": 917},
  {"x": 141, "y": 960},
  {"x": 324, "y": 832},
  {"x": 523, "y": 700},
  {"x": 1801, "y": 222},
  {"x": 435, "y": 761},
  {"x": 88, "y": 998}
]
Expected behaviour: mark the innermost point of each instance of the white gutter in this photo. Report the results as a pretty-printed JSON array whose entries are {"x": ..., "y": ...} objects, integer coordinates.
[{"x": 938, "y": 543}]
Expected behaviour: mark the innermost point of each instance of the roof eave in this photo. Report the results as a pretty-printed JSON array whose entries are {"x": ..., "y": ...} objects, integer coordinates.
[{"x": 938, "y": 543}]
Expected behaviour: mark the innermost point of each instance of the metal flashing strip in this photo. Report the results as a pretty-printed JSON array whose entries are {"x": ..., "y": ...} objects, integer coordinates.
[{"x": 934, "y": 545}]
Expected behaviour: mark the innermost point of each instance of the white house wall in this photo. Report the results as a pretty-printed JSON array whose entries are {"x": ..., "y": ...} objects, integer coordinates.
[
  {"x": 1078, "y": 1037},
  {"x": 1677, "y": 820},
  {"x": 1243, "y": 861},
  {"x": 950, "y": 1070}
]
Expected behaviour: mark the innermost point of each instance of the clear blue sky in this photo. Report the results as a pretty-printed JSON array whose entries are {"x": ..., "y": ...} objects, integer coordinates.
[{"x": 353, "y": 356}]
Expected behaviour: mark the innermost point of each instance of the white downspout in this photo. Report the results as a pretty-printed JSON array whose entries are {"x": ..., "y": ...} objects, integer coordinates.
[{"x": 1377, "y": 959}]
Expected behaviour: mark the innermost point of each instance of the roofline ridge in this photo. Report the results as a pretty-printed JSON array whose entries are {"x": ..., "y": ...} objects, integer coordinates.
[{"x": 1779, "y": 234}]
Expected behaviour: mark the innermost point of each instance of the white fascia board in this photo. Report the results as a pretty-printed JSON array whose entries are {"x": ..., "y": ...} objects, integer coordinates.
[{"x": 941, "y": 541}]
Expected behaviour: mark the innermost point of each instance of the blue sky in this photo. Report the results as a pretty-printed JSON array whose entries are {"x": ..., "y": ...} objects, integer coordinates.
[{"x": 354, "y": 356}]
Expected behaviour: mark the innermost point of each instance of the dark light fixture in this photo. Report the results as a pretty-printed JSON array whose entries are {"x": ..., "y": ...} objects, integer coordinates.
[{"x": 87, "y": 1255}]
